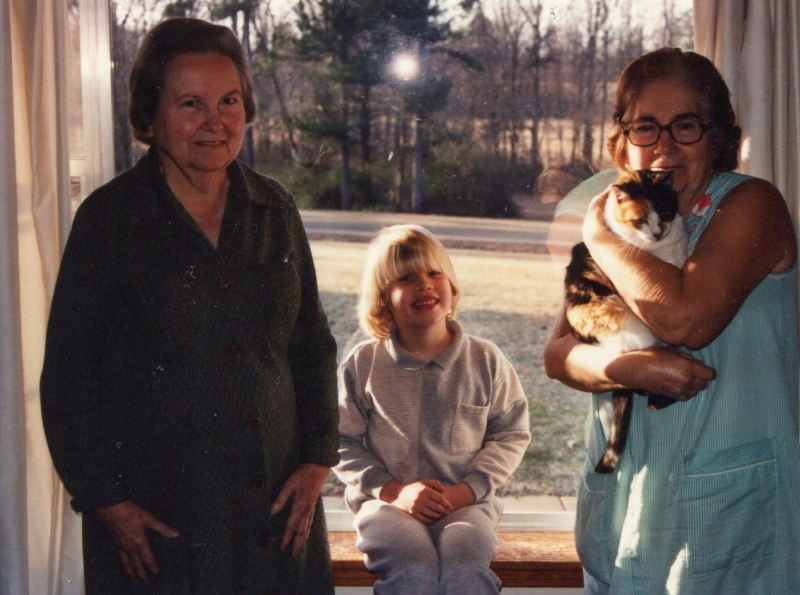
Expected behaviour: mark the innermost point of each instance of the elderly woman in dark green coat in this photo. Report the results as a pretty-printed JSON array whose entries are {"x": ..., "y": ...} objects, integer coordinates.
[{"x": 188, "y": 388}]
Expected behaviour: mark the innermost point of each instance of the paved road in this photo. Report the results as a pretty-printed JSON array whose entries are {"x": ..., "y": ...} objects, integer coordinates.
[{"x": 506, "y": 234}]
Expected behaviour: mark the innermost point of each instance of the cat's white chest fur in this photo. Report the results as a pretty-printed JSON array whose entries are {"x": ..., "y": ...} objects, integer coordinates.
[{"x": 668, "y": 242}]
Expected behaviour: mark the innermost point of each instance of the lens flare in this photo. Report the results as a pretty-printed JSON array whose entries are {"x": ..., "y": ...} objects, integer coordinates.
[{"x": 405, "y": 66}]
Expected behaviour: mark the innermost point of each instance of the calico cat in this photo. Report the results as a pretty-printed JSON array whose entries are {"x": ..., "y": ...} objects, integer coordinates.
[{"x": 642, "y": 210}]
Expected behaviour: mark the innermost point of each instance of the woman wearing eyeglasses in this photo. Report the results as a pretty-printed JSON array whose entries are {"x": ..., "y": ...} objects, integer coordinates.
[{"x": 706, "y": 497}]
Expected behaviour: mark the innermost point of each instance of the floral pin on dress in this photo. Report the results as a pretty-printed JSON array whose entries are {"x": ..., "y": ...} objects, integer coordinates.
[
  {"x": 702, "y": 206},
  {"x": 700, "y": 209}
]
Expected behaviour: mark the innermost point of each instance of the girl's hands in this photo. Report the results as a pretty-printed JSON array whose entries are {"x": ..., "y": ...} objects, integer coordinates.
[
  {"x": 425, "y": 500},
  {"x": 459, "y": 495}
]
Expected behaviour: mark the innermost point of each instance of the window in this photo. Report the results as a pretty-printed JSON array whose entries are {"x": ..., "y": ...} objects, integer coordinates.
[
  {"x": 91, "y": 140},
  {"x": 505, "y": 109}
]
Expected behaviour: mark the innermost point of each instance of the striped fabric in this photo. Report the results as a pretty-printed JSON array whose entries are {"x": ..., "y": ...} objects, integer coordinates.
[{"x": 706, "y": 500}]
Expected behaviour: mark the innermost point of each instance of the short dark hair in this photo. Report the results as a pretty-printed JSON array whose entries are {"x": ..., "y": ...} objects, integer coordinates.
[
  {"x": 171, "y": 38},
  {"x": 702, "y": 77}
]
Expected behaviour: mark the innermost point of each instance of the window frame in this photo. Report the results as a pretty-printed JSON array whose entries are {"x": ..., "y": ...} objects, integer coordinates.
[
  {"x": 339, "y": 518},
  {"x": 95, "y": 165}
]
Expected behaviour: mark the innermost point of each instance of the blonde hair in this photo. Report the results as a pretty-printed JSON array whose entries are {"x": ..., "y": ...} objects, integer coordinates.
[{"x": 397, "y": 251}]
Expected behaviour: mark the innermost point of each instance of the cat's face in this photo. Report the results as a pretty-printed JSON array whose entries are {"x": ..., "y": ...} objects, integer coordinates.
[
  {"x": 691, "y": 164},
  {"x": 633, "y": 216}
]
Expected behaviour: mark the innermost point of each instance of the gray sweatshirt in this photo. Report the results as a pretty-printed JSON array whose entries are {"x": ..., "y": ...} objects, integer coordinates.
[{"x": 461, "y": 416}]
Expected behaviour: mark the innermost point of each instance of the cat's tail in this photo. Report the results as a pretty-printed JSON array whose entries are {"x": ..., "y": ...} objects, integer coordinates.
[{"x": 622, "y": 406}]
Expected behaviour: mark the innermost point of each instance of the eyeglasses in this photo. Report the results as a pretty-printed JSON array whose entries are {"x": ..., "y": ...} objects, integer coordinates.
[{"x": 682, "y": 130}]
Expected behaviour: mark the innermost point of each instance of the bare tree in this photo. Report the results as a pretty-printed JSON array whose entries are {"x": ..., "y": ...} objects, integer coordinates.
[
  {"x": 539, "y": 56},
  {"x": 548, "y": 76},
  {"x": 597, "y": 18}
]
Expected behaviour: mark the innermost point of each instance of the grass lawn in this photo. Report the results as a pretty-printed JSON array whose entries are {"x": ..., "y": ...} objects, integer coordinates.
[{"x": 511, "y": 299}]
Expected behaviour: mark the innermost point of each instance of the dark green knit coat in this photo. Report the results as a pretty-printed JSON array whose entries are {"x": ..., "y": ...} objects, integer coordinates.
[{"x": 192, "y": 381}]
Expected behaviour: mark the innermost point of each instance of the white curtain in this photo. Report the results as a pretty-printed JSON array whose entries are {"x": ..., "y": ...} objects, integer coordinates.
[
  {"x": 756, "y": 46},
  {"x": 40, "y": 549}
]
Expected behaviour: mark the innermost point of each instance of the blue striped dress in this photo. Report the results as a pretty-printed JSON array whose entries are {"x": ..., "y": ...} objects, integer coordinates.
[{"x": 706, "y": 498}]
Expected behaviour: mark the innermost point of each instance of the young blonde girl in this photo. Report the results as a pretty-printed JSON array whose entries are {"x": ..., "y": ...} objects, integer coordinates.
[{"x": 432, "y": 421}]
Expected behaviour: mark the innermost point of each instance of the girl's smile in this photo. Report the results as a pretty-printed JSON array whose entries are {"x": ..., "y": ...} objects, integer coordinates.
[
  {"x": 420, "y": 302},
  {"x": 425, "y": 303}
]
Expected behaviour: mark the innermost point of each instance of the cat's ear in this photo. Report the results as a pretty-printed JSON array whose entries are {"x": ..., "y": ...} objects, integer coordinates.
[{"x": 617, "y": 193}]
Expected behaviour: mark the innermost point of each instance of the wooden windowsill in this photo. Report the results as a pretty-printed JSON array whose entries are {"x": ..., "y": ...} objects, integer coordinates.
[{"x": 523, "y": 559}]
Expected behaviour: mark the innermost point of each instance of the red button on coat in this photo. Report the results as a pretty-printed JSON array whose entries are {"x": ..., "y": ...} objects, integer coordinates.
[
  {"x": 235, "y": 350},
  {"x": 253, "y": 422},
  {"x": 259, "y": 483},
  {"x": 224, "y": 282}
]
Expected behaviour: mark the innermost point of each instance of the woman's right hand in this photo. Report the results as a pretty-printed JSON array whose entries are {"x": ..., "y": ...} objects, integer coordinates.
[
  {"x": 424, "y": 499},
  {"x": 663, "y": 370},
  {"x": 127, "y": 523}
]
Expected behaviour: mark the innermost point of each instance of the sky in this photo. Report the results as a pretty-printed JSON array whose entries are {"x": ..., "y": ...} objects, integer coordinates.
[{"x": 648, "y": 11}]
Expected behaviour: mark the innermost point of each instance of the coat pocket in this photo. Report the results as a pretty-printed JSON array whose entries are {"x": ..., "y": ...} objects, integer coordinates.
[
  {"x": 731, "y": 505},
  {"x": 469, "y": 428},
  {"x": 592, "y": 524}
]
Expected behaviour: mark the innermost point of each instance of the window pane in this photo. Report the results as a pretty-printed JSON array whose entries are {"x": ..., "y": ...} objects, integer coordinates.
[{"x": 501, "y": 113}]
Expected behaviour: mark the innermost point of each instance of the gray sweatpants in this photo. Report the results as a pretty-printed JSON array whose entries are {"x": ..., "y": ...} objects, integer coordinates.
[{"x": 448, "y": 557}]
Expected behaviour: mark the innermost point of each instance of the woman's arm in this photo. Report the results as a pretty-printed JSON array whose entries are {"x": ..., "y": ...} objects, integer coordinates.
[
  {"x": 590, "y": 368},
  {"x": 79, "y": 414},
  {"x": 312, "y": 358},
  {"x": 749, "y": 237},
  {"x": 86, "y": 316}
]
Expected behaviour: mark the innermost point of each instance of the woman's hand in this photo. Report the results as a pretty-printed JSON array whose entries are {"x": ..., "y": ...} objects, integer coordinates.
[
  {"x": 664, "y": 370},
  {"x": 303, "y": 487},
  {"x": 126, "y": 523},
  {"x": 424, "y": 500}
]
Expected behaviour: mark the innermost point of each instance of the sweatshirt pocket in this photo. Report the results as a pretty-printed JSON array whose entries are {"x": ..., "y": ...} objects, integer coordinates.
[
  {"x": 469, "y": 428},
  {"x": 731, "y": 505}
]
